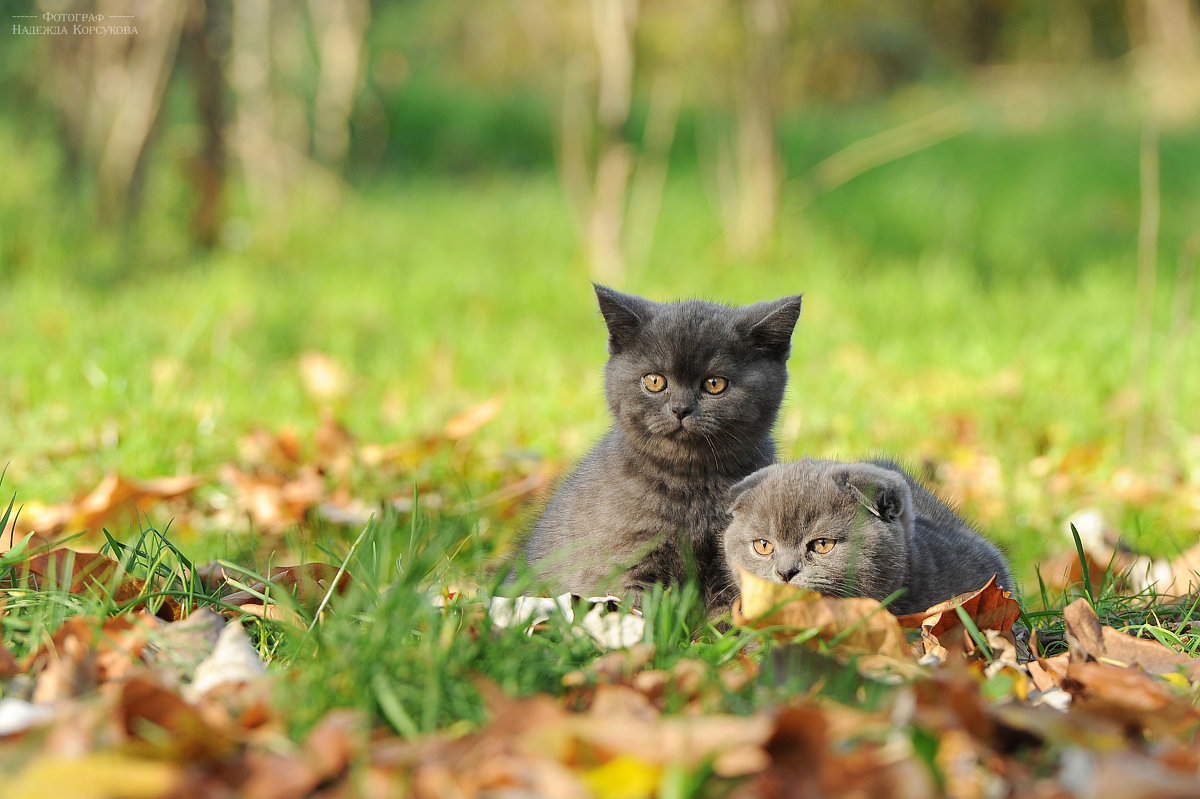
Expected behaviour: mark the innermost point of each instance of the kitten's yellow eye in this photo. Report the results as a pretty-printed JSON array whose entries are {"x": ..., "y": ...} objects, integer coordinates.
[
  {"x": 822, "y": 546},
  {"x": 715, "y": 385},
  {"x": 654, "y": 382},
  {"x": 763, "y": 547}
]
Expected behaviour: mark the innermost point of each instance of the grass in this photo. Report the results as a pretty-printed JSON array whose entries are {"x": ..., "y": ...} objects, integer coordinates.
[{"x": 968, "y": 307}]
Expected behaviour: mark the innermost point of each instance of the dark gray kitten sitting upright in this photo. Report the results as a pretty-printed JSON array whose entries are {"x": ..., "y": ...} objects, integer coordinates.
[
  {"x": 856, "y": 529},
  {"x": 694, "y": 388}
]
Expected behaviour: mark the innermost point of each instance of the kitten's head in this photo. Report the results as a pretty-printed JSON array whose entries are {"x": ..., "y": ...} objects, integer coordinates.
[
  {"x": 694, "y": 381},
  {"x": 839, "y": 528}
]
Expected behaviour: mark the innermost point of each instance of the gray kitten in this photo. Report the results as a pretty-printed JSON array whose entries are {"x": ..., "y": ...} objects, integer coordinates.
[
  {"x": 694, "y": 388},
  {"x": 856, "y": 529}
]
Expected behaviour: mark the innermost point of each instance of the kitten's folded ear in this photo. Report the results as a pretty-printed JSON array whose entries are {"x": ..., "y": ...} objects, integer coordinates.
[
  {"x": 737, "y": 494},
  {"x": 882, "y": 492},
  {"x": 771, "y": 324},
  {"x": 624, "y": 314}
]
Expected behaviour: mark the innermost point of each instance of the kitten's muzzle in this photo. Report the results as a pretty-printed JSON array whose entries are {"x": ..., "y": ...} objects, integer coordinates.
[
  {"x": 682, "y": 410},
  {"x": 787, "y": 573}
]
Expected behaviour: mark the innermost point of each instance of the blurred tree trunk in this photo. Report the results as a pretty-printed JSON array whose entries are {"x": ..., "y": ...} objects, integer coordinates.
[
  {"x": 340, "y": 28},
  {"x": 270, "y": 67},
  {"x": 750, "y": 172},
  {"x": 598, "y": 195},
  {"x": 109, "y": 89},
  {"x": 204, "y": 44},
  {"x": 255, "y": 136},
  {"x": 1166, "y": 36}
]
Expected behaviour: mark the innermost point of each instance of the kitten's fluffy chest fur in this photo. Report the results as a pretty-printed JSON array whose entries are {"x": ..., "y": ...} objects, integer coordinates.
[
  {"x": 856, "y": 529},
  {"x": 693, "y": 389}
]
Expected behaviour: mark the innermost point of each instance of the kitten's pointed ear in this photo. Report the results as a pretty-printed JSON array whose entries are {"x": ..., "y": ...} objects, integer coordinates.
[
  {"x": 737, "y": 494},
  {"x": 882, "y": 492},
  {"x": 624, "y": 314},
  {"x": 771, "y": 324}
]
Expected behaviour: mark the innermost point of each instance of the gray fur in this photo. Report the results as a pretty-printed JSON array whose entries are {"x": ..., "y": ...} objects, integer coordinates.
[
  {"x": 648, "y": 504},
  {"x": 889, "y": 532}
]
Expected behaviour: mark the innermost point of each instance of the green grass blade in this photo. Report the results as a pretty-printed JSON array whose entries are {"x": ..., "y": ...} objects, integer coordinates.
[
  {"x": 976, "y": 634},
  {"x": 1083, "y": 563}
]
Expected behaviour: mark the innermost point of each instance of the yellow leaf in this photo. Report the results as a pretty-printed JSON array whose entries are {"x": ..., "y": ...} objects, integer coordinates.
[
  {"x": 95, "y": 776},
  {"x": 623, "y": 777},
  {"x": 854, "y": 625}
]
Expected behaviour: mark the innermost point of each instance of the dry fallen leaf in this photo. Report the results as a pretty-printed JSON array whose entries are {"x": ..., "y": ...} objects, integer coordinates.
[
  {"x": 158, "y": 721},
  {"x": 79, "y": 572},
  {"x": 94, "y": 775},
  {"x": 857, "y": 624},
  {"x": 1130, "y": 697},
  {"x": 84, "y": 652},
  {"x": 1089, "y": 640},
  {"x": 274, "y": 500},
  {"x": 233, "y": 661},
  {"x": 810, "y": 758},
  {"x": 9, "y": 667},
  {"x": 111, "y": 498},
  {"x": 309, "y": 583},
  {"x": 472, "y": 419},
  {"x": 992, "y": 609},
  {"x": 175, "y": 650}
]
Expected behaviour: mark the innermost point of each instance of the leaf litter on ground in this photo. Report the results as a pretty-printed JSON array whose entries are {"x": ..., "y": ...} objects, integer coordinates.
[{"x": 948, "y": 702}]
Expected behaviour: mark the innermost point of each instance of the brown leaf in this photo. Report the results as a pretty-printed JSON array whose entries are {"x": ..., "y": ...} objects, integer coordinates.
[
  {"x": 66, "y": 568},
  {"x": 859, "y": 625},
  {"x": 1048, "y": 673},
  {"x": 161, "y": 720},
  {"x": 809, "y": 758},
  {"x": 333, "y": 741},
  {"x": 280, "y": 451},
  {"x": 472, "y": 419},
  {"x": 9, "y": 667},
  {"x": 990, "y": 607},
  {"x": 1128, "y": 696},
  {"x": 335, "y": 446},
  {"x": 1089, "y": 640},
  {"x": 277, "y": 776},
  {"x": 113, "y": 496},
  {"x": 79, "y": 572},
  {"x": 308, "y": 582},
  {"x": 83, "y": 653},
  {"x": 273, "y": 500}
]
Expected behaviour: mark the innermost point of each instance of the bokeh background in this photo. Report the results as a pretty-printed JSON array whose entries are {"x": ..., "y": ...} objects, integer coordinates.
[{"x": 375, "y": 217}]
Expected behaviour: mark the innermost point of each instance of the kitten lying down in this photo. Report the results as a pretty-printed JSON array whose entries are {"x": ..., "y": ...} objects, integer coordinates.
[{"x": 856, "y": 529}]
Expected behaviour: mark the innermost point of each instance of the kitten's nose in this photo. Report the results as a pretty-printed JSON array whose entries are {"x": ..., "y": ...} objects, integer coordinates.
[
  {"x": 682, "y": 411},
  {"x": 787, "y": 573}
]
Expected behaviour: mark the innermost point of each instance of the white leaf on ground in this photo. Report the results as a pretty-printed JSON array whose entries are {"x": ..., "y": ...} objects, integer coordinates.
[
  {"x": 17, "y": 715},
  {"x": 607, "y": 625},
  {"x": 613, "y": 629},
  {"x": 233, "y": 661},
  {"x": 176, "y": 650},
  {"x": 528, "y": 610}
]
